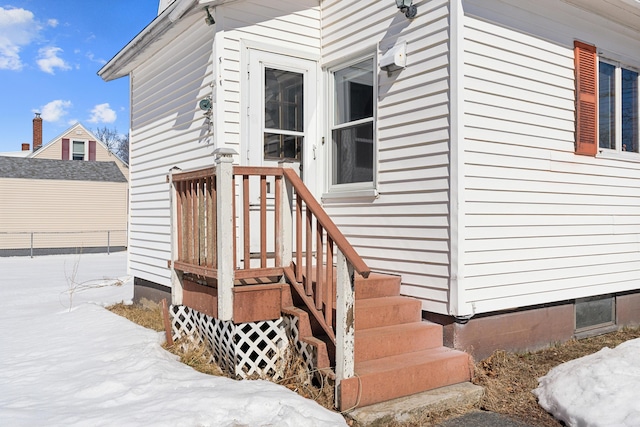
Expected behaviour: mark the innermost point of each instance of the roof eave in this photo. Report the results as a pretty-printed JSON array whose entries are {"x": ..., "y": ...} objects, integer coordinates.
[{"x": 124, "y": 61}]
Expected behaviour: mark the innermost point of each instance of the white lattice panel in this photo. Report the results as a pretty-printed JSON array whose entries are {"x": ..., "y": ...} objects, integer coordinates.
[
  {"x": 309, "y": 353},
  {"x": 244, "y": 350}
]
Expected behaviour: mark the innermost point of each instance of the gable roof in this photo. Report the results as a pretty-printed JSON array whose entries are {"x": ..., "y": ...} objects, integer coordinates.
[
  {"x": 73, "y": 127},
  {"x": 64, "y": 170}
]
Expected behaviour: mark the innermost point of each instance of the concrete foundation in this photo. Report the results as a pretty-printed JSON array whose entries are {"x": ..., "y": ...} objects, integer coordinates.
[
  {"x": 144, "y": 289},
  {"x": 528, "y": 328}
]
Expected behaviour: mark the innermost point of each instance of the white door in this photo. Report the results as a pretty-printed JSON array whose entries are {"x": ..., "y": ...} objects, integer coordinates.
[
  {"x": 283, "y": 112},
  {"x": 282, "y": 120}
]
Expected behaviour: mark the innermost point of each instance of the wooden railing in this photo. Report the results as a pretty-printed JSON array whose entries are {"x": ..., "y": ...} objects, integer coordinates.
[
  {"x": 196, "y": 213},
  {"x": 305, "y": 243}
]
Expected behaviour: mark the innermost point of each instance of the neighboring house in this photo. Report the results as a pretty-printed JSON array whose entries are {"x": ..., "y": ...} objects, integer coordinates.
[
  {"x": 485, "y": 151},
  {"x": 75, "y": 143},
  {"x": 55, "y": 206}
]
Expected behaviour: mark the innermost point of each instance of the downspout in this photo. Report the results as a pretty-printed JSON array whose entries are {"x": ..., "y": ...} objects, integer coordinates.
[{"x": 458, "y": 307}]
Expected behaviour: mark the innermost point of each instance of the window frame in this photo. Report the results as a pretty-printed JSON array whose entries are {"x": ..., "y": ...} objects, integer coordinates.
[
  {"x": 365, "y": 189},
  {"x": 72, "y": 152},
  {"x": 618, "y": 114}
]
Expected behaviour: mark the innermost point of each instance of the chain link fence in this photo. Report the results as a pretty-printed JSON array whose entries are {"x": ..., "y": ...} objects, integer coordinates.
[{"x": 32, "y": 243}]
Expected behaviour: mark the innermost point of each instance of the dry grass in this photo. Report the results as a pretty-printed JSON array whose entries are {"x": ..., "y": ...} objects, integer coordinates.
[
  {"x": 148, "y": 315},
  {"x": 296, "y": 377},
  {"x": 196, "y": 356},
  {"x": 509, "y": 378}
]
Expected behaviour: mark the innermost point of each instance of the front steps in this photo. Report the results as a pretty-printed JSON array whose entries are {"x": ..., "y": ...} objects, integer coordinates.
[{"x": 396, "y": 353}]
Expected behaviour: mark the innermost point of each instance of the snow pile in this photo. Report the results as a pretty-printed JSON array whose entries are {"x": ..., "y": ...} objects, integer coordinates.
[
  {"x": 66, "y": 361},
  {"x": 600, "y": 389}
]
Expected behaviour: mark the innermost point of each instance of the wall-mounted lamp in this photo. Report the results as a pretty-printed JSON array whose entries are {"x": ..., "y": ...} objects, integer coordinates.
[
  {"x": 205, "y": 104},
  {"x": 407, "y": 7},
  {"x": 209, "y": 19}
]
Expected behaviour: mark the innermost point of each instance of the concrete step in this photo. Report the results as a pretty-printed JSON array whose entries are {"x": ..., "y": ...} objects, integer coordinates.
[
  {"x": 376, "y": 343},
  {"x": 377, "y": 285},
  {"x": 386, "y": 311},
  {"x": 415, "y": 409},
  {"x": 391, "y": 377},
  {"x": 305, "y": 335}
]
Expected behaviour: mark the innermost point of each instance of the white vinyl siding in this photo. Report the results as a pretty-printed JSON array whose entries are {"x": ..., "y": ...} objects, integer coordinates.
[
  {"x": 542, "y": 224},
  {"x": 405, "y": 230},
  {"x": 168, "y": 128},
  {"x": 283, "y": 26}
]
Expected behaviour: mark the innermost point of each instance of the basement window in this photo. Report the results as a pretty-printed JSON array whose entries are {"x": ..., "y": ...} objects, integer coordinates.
[{"x": 595, "y": 312}]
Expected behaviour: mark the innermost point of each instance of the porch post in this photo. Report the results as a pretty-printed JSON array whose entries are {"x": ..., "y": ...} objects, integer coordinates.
[
  {"x": 226, "y": 233},
  {"x": 345, "y": 322},
  {"x": 286, "y": 218},
  {"x": 176, "y": 276}
]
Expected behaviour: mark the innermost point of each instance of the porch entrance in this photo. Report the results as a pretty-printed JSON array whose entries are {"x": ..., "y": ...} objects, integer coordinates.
[{"x": 282, "y": 121}]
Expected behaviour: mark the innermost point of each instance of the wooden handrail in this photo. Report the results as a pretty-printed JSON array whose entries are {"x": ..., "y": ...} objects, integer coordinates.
[{"x": 327, "y": 224}]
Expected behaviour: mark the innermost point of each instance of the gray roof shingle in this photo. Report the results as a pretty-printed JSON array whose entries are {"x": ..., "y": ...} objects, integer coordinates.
[{"x": 66, "y": 170}]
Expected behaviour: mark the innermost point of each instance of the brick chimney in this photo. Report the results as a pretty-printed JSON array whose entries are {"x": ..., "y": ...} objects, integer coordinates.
[
  {"x": 37, "y": 132},
  {"x": 26, "y": 147}
]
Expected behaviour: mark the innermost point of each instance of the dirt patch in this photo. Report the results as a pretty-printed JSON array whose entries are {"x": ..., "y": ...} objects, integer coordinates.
[{"x": 509, "y": 378}]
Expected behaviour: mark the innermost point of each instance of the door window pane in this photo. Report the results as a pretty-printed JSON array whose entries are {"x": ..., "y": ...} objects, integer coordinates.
[
  {"x": 283, "y": 100},
  {"x": 283, "y": 114},
  {"x": 607, "y": 105},
  {"x": 629, "y": 110},
  {"x": 279, "y": 146}
]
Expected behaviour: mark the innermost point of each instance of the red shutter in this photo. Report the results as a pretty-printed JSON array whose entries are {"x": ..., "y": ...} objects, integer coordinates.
[
  {"x": 65, "y": 149},
  {"x": 586, "y": 73},
  {"x": 92, "y": 150}
]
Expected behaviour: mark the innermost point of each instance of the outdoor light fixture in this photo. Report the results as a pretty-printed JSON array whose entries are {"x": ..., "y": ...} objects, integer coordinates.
[
  {"x": 406, "y": 7},
  {"x": 209, "y": 19}
]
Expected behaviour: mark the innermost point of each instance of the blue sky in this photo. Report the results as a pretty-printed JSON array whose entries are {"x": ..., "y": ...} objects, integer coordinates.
[{"x": 50, "y": 52}]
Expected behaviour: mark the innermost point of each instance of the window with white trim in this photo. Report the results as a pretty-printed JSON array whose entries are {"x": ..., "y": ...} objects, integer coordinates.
[
  {"x": 352, "y": 125},
  {"x": 78, "y": 150},
  {"x": 617, "y": 107}
]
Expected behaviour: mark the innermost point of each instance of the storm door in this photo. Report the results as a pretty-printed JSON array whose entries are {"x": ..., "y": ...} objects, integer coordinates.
[{"x": 282, "y": 117}]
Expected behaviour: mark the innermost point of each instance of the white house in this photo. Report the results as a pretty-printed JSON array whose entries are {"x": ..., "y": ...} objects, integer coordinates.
[{"x": 484, "y": 151}]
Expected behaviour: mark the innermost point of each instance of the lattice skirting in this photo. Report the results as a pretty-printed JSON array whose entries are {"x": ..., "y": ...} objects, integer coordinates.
[
  {"x": 245, "y": 349},
  {"x": 308, "y": 352}
]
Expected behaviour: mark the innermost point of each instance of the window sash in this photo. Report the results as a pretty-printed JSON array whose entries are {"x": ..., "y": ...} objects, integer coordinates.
[
  {"x": 353, "y": 124},
  {"x": 618, "y": 94},
  {"x": 78, "y": 150}
]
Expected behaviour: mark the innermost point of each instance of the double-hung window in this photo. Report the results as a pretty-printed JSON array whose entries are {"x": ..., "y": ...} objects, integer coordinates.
[
  {"x": 352, "y": 126},
  {"x": 78, "y": 150},
  {"x": 617, "y": 107}
]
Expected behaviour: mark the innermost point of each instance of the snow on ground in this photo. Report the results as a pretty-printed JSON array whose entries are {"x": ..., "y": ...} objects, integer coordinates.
[
  {"x": 66, "y": 361},
  {"x": 601, "y": 389}
]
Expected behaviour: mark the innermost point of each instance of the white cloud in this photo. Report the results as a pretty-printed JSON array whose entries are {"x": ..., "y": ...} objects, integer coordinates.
[
  {"x": 55, "y": 110},
  {"x": 93, "y": 58},
  {"x": 48, "y": 59},
  {"x": 53, "y": 23},
  {"x": 18, "y": 28},
  {"x": 102, "y": 113}
]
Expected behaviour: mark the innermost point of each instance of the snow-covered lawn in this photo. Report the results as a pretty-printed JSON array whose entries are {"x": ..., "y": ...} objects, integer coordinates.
[
  {"x": 69, "y": 362},
  {"x": 601, "y": 389}
]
